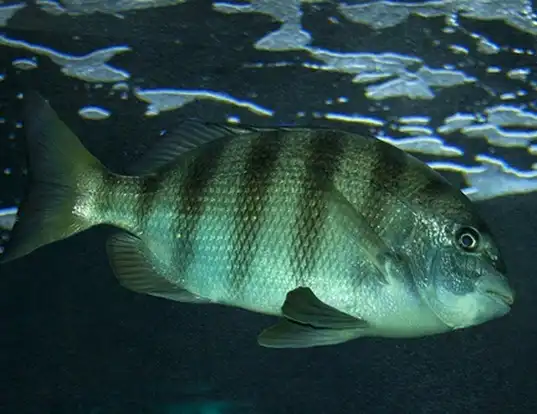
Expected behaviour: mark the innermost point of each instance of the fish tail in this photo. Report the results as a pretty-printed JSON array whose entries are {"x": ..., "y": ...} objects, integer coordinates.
[{"x": 62, "y": 176}]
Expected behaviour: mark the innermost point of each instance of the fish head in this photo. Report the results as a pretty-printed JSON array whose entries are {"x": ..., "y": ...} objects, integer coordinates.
[{"x": 465, "y": 281}]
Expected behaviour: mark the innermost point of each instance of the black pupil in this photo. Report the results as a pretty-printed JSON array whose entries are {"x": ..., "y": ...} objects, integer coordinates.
[
  {"x": 467, "y": 241},
  {"x": 468, "y": 238}
]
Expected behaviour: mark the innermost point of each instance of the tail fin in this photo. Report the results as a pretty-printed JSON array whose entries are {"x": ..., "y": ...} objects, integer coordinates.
[{"x": 60, "y": 169}]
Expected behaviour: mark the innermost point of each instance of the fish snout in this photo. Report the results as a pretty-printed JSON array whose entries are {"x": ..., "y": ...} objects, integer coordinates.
[{"x": 497, "y": 287}]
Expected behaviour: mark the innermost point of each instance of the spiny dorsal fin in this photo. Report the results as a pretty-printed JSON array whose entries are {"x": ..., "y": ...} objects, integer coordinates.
[{"x": 190, "y": 135}]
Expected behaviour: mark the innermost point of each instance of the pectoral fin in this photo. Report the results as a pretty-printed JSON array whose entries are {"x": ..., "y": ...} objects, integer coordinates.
[
  {"x": 310, "y": 322},
  {"x": 133, "y": 266},
  {"x": 346, "y": 217},
  {"x": 301, "y": 305}
]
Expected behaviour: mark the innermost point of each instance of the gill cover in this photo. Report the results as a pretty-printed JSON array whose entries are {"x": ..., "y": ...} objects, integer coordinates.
[{"x": 466, "y": 290}]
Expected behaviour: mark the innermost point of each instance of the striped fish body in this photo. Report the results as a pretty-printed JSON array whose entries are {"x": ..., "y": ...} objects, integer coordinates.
[
  {"x": 248, "y": 218},
  {"x": 341, "y": 235}
]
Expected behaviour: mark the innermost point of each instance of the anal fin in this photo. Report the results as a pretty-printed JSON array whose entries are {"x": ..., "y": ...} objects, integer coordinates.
[{"x": 133, "y": 266}]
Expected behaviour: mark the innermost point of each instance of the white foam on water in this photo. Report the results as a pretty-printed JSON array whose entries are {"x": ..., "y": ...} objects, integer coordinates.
[
  {"x": 389, "y": 81},
  {"x": 91, "y": 67},
  {"x": 94, "y": 113},
  {"x": 169, "y": 99},
  {"x": 8, "y": 11}
]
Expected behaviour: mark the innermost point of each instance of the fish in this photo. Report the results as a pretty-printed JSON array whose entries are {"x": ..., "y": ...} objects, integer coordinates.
[{"x": 338, "y": 235}]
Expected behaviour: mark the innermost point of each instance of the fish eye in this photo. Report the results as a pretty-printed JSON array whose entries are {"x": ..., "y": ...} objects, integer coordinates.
[{"x": 468, "y": 239}]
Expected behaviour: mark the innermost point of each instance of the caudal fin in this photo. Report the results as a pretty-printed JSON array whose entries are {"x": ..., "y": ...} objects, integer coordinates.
[{"x": 60, "y": 170}]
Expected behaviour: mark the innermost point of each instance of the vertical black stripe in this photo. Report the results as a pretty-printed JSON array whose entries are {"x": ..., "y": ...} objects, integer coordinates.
[
  {"x": 323, "y": 158},
  {"x": 389, "y": 173},
  {"x": 435, "y": 194},
  {"x": 150, "y": 185},
  {"x": 199, "y": 172},
  {"x": 260, "y": 163}
]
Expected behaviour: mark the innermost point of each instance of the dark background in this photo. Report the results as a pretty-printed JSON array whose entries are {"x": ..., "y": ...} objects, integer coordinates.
[{"x": 71, "y": 338}]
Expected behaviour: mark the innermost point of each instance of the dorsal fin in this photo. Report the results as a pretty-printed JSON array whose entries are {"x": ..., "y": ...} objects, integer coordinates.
[{"x": 190, "y": 135}]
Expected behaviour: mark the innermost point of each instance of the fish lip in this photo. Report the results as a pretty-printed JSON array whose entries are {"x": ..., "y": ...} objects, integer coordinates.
[
  {"x": 504, "y": 298},
  {"x": 496, "y": 286}
]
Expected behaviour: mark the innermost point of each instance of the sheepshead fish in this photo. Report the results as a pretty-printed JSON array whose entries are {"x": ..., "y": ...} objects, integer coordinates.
[{"x": 341, "y": 236}]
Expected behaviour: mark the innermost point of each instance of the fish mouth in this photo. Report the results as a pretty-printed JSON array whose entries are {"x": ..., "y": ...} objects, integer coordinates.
[
  {"x": 496, "y": 287},
  {"x": 506, "y": 298}
]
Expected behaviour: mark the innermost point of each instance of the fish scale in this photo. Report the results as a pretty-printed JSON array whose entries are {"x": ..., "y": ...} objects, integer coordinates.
[
  {"x": 339, "y": 235},
  {"x": 260, "y": 159}
]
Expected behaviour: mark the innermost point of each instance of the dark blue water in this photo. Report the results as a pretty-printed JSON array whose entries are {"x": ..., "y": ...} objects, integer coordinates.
[{"x": 72, "y": 341}]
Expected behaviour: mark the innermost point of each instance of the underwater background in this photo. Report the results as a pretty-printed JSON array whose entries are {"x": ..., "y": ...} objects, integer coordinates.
[{"x": 454, "y": 82}]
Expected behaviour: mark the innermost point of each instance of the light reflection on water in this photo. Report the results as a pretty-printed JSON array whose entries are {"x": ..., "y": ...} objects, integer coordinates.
[{"x": 506, "y": 120}]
